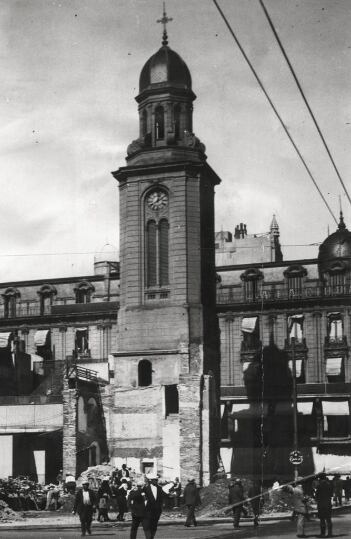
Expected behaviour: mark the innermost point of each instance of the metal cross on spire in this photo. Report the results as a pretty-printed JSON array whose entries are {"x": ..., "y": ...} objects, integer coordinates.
[{"x": 164, "y": 21}]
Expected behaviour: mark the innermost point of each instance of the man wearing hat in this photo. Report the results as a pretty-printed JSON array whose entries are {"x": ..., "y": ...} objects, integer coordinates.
[
  {"x": 84, "y": 505},
  {"x": 323, "y": 496},
  {"x": 191, "y": 500},
  {"x": 236, "y": 499},
  {"x": 154, "y": 503},
  {"x": 299, "y": 504},
  {"x": 136, "y": 503}
]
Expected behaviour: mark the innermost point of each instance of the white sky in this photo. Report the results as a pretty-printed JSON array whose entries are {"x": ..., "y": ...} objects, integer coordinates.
[{"x": 69, "y": 75}]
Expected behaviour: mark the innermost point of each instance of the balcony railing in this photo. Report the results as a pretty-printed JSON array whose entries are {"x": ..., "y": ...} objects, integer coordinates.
[
  {"x": 28, "y": 309},
  {"x": 235, "y": 294}
]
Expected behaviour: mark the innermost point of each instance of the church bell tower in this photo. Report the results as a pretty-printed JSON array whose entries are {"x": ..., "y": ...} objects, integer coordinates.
[{"x": 167, "y": 364}]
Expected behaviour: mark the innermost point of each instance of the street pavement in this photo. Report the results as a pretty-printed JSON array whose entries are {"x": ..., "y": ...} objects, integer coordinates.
[{"x": 216, "y": 530}]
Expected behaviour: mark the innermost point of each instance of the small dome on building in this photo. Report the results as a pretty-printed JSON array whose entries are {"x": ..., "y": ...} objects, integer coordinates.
[
  {"x": 106, "y": 260},
  {"x": 335, "y": 251},
  {"x": 165, "y": 68}
]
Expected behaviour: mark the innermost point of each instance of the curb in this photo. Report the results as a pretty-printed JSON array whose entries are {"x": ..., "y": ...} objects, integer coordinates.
[{"x": 168, "y": 522}]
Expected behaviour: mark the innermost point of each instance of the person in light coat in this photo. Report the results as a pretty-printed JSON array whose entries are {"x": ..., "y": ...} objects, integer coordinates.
[{"x": 299, "y": 503}]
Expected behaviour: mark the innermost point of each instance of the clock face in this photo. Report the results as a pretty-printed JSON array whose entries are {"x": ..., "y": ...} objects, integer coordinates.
[{"x": 157, "y": 200}]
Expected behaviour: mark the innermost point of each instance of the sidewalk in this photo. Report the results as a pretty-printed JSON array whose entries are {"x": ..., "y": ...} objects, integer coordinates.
[{"x": 55, "y": 520}]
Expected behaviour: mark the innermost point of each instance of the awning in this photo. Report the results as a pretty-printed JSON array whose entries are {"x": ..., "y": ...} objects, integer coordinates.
[
  {"x": 296, "y": 317},
  {"x": 334, "y": 316},
  {"x": 335, "y": 407},
  {"x": 333, "y": 366},
  {"x": 305, "y": 408},
  {"x": 40, "y": 337},
  {"x": 240, "y": 406},
  {"x": 298, "y": 367},
  {"x": 4, "y": 338},
  {"x": 248, "y": 325},
  {"x": 81, "y": 329}
]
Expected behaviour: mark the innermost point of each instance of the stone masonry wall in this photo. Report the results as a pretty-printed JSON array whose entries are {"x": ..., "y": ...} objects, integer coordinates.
[{"x": 69, "y": 441}]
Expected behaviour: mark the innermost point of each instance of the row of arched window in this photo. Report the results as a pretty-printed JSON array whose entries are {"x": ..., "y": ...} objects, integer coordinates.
[{"x": 11, "y": 298}]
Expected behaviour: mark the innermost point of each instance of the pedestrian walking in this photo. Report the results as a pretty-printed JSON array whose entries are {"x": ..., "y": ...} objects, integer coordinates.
[
  {"x": 154, "y": 503},
  {"x": 254, "y": 494},
  {"x": 236, "y": 498},
  {"x": 84, "y": 505},
  {"x": 338, "y": 487},
  {"x": 137, "y": 507},
  {"x": 191, "y": 500},
  {"x": 122, "y": 500},
  {"x": 347, "y": 488},
  {"x": 323, "y": 496},
  {"x": 299, "y": 503}
]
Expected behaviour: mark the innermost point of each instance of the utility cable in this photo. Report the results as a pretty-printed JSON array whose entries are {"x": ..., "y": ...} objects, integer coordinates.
[
  {"x": 304, "y": 97},
  {"x": 273, "y": 107}
]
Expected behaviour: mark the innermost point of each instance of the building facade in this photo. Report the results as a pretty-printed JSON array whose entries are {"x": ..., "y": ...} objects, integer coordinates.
[
  {"x": 56, "y": 337},
  {"x": 274, "y": 314}
]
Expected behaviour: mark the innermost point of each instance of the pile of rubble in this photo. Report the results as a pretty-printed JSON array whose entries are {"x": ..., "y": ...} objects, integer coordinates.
[
  {"x": 22, "y": 494},
  {"x": 7, "y": 514},
  {"x": 95, "y": 475}
]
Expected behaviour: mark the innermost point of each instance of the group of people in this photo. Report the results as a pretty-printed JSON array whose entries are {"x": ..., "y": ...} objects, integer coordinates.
[
  {"x": 323, "y": 493},
  {"x": 237, "y": 499},
  {"x": 144, "y": 499}
]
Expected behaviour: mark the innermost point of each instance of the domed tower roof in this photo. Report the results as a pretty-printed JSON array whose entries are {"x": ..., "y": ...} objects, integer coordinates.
[
  {"x": 335, "y": 251},
  {"x": 165, "y": 68}
]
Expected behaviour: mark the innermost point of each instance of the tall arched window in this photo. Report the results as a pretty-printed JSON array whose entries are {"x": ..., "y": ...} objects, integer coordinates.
[
  {"x": 144, "y": 122},
  {"x": 159, "y": 123},
  {"x": 156, "y": 240},
  {"x": 46, "y": 294},
  {"x": 176, "y": 112},
  {"x": 11, "y": 296},
  {"x": 163, "y": 252},
  {"x": 144, "y": 373},
  {"x": 83, "y": 292},
  {"x": 151, "y": 254}
]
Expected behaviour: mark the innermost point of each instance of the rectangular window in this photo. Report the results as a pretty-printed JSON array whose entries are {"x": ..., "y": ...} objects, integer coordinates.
[
  {"x": 295, "y": 287},
  {"x": 82, "y": 341},
  {"x": 251, "y": 290},
  {"x": 335, "y": 419},
  {"x": 334, "y": 369},
  {"x": 171, "y": 400},
  {"x": 300, "y": 370},
  {"x": 335, "y": 327},
  {"x": 295, "y": 327},
  {"x": 250, "y": 331}
]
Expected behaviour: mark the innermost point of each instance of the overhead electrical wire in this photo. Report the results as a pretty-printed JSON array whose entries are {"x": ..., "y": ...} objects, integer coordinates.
[
  {"x": 304, "y": 97},
  {"x": 260, "y": 83}
]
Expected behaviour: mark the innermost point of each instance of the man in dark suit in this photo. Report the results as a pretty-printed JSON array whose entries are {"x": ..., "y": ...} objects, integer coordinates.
[
  {"x": 137, "y": 507},
  {"x": 84, "y": 505},
  {"x": 154, "y": 503},
  {"x": 323, "y": 496},
  {"x": 191, "y": 500}
]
